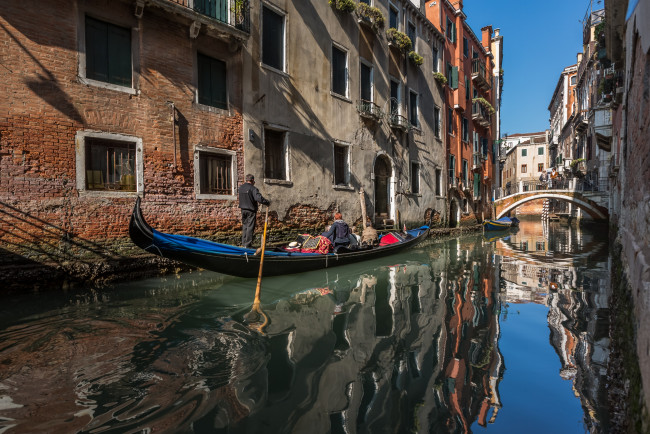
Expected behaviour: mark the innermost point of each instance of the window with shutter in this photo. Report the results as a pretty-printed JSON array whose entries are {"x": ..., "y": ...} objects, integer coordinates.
[
  {"x": 108, "y": 53},
  {"x": 212, "y": 82},
  {"x": 272, "y": 39}
]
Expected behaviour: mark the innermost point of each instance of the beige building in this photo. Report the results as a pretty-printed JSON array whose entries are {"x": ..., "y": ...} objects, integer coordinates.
[
  {"x": 527, "y": 158},
  {"x": 333, "y": 107}
]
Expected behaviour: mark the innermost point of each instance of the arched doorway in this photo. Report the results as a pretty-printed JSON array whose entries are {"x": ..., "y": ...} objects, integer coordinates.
[
  {"x": 382, "y": 187},
  {"x": 454, "y": 213}
]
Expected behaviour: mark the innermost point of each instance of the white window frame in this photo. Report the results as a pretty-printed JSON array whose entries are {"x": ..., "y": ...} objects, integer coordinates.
[
  {"x": 80, "y": 163},
  {"x": 372, "y": 78},
  {"x": 347, "y": 71},
  {"x": 81, "y": 66},
  {"x": 285, "y": 149},
  {"x": 347, "y": 175},
  {"x": 197, "y": 172},
  {"x": 284, "y": 37}
]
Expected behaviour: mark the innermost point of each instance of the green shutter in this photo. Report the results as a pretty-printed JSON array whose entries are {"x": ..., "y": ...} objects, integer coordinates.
[
  {"x": 477, "y": 184},
  {"x": 119, "y": 55},
  {"x": 96, "y": 50},
  {"x": 454, "y": 77},
  {"x": 219, "y": 84},
  {"x": 453, "y": 32}
]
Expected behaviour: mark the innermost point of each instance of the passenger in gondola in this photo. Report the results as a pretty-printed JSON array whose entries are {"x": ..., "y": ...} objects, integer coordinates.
[
  {"x": 249, "y": 197},
  {"x": 339, "y": 233}
]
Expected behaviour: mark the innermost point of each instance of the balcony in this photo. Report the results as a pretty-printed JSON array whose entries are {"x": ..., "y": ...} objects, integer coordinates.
[
  {"x": 602, "y": 121},
  {"x": 453, "y": 182},
  {"x": 580, "y": 121},
  {"x": 479, "y": 77},
  {"x": 480, "y": 115},
  {"x": 399, "y": 122},
  {"x": 477, "y": 161},
  {"x": 369, "y": 110},
  {"x": 227, "y": 18}
]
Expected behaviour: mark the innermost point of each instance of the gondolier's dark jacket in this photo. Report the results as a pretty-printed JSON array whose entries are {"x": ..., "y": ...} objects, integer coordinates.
[{"x": 249, "y": 196}]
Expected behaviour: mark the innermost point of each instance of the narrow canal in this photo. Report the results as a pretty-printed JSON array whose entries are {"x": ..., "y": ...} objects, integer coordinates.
[{"x": 472, "y": 334}]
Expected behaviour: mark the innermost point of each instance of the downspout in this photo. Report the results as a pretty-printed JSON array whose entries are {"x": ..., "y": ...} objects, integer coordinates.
[{"x": 173, "y": 119}]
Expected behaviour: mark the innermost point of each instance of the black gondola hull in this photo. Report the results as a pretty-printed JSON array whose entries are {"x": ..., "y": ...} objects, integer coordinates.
[{"x": 248, "y": 265}]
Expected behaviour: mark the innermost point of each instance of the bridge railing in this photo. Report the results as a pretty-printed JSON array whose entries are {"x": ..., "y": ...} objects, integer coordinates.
[{"x": 581, "y": 185}]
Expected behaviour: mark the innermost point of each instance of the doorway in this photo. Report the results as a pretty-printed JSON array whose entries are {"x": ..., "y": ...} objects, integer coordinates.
[{"x": 382, "y": 188}]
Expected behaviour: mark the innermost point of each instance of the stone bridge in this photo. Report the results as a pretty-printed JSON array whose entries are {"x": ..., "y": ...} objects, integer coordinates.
[{"x": 591, "y": 201}]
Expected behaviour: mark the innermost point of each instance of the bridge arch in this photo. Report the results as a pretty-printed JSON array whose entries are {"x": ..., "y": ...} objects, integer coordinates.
[{"x": 507, "y": 204}]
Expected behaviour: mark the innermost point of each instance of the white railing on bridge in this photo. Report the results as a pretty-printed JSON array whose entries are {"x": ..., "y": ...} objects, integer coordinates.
[{"x": 580, "y": 185}]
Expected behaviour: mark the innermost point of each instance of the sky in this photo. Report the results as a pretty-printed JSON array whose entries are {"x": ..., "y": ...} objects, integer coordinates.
[{"x": 540, "y": 39}]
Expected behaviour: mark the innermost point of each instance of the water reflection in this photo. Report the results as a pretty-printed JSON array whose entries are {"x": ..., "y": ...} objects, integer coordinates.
[{"x": 410, "y": 343}]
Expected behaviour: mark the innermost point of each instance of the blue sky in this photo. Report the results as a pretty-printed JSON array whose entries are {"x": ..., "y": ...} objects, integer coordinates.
[{"x": 540, "y": 38}]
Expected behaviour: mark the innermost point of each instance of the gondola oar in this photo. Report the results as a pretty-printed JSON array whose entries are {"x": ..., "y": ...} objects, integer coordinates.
[{"x": 253, "y": 315}]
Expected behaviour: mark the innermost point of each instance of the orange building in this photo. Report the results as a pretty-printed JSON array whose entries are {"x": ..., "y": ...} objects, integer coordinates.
[{"x": 468, "y": 66}]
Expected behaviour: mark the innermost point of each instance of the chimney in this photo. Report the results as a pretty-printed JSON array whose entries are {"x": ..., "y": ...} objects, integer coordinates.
[
  {"x": 579, "y": 56},
  {"x": 486, "y": 36}
]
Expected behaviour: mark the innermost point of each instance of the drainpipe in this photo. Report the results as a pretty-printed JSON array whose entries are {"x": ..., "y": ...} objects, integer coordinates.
[{"x": 173, "y": 119}]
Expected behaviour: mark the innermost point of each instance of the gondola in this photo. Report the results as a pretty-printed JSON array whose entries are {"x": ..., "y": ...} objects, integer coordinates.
[{"x": 242, "y": 262}]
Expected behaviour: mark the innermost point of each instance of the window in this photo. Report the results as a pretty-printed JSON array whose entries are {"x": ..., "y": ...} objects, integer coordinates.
[
  {"x": 394, "y": 97},
  {"x": 366, "y": 82},
  {"x": 465, "y": 47},
  {"x": 450, "y": 121},
  {"x": 467, "y": 89},
  {"x": 212, "y": 82},
  {"x": 524, "y": 168},
  {"x": 573, "y": 80},
  {"x": 465, "y": 130},
  {"x": 275, "y": 154},
  {"x": 415, "y": 177},
  {"x": 539, "y": 245},
  {"x": 108, "y": 162},
  {"x": 465, "y": 173},
  {"x": 451, "y": 30},
  {"x": 434, "y": 55},
  {"x": 108, "y": 53},
  {"x": 436, "y": 122},
  {"x": 393, "y": 17},
  {"x": 272, "y": 39},
  {"x": 339, "y": 71},
  {"x": 410, "y": 30},
  {"x": 540, "y": 167},
  {"x": 215, "y": 172},
  {"x": 452, "y": 76},
  {"x": 524, "y": 152},
  {"x": 341, "y": 164},
  {"x": 438, "y": 182},
  {"x": 540, "y": 150},
  {"x": 452, "y": 169},
  {"x": 413, "y": 108}
]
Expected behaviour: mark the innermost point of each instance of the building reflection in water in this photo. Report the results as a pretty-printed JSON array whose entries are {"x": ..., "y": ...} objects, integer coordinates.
[
  {"x": 565, "y": 268},
  {"x": 407, "y": 344}
]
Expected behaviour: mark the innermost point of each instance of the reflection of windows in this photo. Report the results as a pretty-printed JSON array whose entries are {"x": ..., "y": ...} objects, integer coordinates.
[
  {"x": 214, "y": 171},
  {"x": 539, "y": 245},
  {"x": 341, "y": 164},
  {"x": 415, "y": 177},
  {"x": 108, "y": 162},
  {"x": 339, "y": 71},
  {"x": 212, "y": 82},
  {"x": 272, "y": 39},
  {"x": 524, "y": 168},
  {"x": 108, "y": 52},
  {"x": 275, "y": 154}
]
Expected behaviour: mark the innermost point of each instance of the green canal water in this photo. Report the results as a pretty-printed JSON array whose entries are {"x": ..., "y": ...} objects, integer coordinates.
[{"x": 506, "y": 334}]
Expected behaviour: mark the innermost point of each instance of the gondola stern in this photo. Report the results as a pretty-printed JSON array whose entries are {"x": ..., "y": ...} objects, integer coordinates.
[{"x": 140, "y": 232}]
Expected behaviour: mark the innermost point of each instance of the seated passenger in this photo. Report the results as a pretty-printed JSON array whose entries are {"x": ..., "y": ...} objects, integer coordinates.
[{"x": 339, "y": 232}]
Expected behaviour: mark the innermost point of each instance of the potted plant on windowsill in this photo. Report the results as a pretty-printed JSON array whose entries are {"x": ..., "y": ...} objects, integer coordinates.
[
  {"x": 347, "y": 6},
  {"x": 398, "y": 39},
  {"x": 371, "y": 16},
  {"x": 488, "y": 107},
  {"x": 440, "y": 78},
  {"x": 416, "y": 58}
]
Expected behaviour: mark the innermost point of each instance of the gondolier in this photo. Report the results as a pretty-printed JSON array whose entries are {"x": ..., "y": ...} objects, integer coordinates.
[{"x": 249, "y": 197}]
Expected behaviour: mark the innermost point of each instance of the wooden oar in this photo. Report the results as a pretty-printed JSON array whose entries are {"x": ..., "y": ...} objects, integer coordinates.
[{"x": 253, "y": 315}]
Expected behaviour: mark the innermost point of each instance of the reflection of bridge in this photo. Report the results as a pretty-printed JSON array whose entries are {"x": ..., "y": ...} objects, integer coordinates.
[{"x": 592, "y": 200}]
